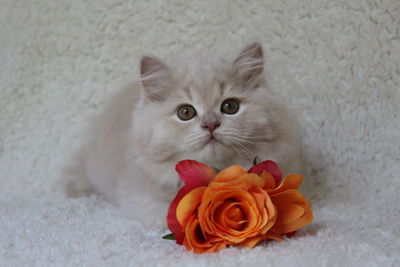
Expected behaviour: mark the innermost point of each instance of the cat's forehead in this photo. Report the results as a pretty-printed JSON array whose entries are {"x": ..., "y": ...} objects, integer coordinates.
[{"x": 202, "y": 80}]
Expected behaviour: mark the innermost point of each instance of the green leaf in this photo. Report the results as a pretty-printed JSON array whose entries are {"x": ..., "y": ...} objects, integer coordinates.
[{"x": 170, "y": 236}]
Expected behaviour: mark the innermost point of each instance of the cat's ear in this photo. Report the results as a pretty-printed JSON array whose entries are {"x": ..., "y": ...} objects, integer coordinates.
[
  {"x": 249, "y": 65},
  {"x": 156, "y": 78}
]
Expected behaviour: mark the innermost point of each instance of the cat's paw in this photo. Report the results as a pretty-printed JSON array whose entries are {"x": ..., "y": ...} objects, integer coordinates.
[
  {"x": 76, "y": 188},
  {"x": 74, "y": 182}
]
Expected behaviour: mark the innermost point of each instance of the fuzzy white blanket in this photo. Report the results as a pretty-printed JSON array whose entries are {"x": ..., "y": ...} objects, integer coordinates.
[{"x": 336, "y": 62}]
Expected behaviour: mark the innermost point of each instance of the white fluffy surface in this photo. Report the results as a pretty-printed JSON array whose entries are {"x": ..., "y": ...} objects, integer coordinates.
[{"x": 337, "y": 62}]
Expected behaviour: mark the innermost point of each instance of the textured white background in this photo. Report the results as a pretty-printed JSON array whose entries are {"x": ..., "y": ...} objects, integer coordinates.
[{"x": 337, "y": 62}]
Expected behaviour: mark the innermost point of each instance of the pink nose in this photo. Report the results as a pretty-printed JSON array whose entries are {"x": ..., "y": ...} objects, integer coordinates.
[{"x": 210, "y": 126}]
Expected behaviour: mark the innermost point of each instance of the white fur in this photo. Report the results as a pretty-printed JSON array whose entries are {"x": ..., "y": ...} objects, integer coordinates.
[{"x": 138, "y": 138}]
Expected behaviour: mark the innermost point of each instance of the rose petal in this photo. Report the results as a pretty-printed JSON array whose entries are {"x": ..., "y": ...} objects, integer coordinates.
[
  {"x": 254, "y": 180},
  {"x": 245, "y": 182},
  {"x": 173, "y": 225},
  {"x": 188, "y": 204},
  {"x": 230, "y": 173},
  {"x": 230, "y": 215},
  {"x": 260, "y": 199},
  {"x": 269, "y": 180},
  {"x": 270, "y": 167},
  {"x": 198, "y": 241},
  {"x": 194, "y": 174},
  {"x": 235, "y": 217},
  {"x": 268, "y": 211},
  {"x": 294, "y": 211},
  {"x": 288, "y": 212},
  {"x": 292, "y": 181}
]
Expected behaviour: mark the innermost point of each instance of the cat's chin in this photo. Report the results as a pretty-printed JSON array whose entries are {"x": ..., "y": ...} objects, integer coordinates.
[
  {"x": 212, "y": 147},
  {"x": 213, "y": 153}
]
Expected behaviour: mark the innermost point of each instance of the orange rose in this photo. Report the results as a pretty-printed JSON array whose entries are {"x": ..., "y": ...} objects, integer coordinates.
[
  {"x": 232, "y": 209},
  {"x": 294, "y": 211},
  {"x": 196, "y": 239},
  {"x": 235, "y": 207}
]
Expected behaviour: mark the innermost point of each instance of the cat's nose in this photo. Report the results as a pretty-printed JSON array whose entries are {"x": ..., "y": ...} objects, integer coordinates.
[{"x": 210, "y": 126}]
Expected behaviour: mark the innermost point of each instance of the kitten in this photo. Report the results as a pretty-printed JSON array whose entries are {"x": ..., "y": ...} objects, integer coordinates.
[{"x": 215, "y": 111}]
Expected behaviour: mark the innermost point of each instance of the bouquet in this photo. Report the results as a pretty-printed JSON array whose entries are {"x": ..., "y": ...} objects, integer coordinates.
[{"x": 235, "y": 207}]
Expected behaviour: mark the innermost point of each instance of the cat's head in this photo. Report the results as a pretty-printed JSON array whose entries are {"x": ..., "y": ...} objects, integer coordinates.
[{"x": 212, "y": 110}]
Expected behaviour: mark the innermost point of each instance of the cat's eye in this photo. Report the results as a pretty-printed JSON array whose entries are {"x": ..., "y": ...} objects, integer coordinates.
[
  {"x": 230, "y": 106},
  {"x": 186, "y": 112}
]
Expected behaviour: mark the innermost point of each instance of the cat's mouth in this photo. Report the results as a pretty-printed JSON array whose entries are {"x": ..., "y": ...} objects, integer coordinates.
[{"x": 213, "y": 140}]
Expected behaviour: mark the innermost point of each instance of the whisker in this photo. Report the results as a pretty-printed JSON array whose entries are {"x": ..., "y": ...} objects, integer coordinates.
[
  {"x": 240, "y": 138},
  {"x": 263, "y": 137},
  {"x": 193, "y": 140},
  {"x": 240, "y": 149}
]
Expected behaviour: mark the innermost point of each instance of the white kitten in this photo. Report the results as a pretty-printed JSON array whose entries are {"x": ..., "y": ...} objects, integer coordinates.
[{"x": 218, "y": 112}]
